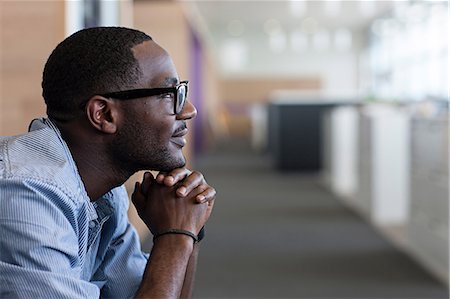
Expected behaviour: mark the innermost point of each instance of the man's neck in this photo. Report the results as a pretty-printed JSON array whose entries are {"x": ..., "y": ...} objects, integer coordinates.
[
  {"x": 94, "y": 165},
  {"x": 97, "y": 176}
]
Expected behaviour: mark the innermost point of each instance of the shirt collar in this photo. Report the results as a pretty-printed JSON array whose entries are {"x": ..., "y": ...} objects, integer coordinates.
[{"x": 40, "y": 123}]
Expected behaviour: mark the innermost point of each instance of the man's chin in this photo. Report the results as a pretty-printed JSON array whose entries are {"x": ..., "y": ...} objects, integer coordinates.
[
  {"x": 170, "y": 165},
  {"x": 169, "y": 169}
]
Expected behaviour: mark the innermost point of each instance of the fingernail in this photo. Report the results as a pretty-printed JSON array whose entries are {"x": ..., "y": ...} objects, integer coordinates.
[
  {"x": 182, "y": 190},
  {"x": 201, "y": 198}
]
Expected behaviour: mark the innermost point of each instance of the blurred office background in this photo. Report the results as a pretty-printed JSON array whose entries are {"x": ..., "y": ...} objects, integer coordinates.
[{"x": 322, "y": 124}]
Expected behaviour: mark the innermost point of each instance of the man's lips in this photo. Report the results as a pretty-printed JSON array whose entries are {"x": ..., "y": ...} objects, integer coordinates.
[
  {"x": 180, "y": 132},
  {"x": 178, "y": 137}
]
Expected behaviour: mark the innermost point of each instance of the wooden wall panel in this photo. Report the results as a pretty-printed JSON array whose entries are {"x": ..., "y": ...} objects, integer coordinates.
[
  {"x": 254, "y": 90},
  {"x": 29, "y": 31}
]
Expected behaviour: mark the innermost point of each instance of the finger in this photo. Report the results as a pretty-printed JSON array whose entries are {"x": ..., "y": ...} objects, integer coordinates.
[
  {"x": 146, "y": 182},
  {"x": 208, "y": 195},
  {"x": 138, "y": 197},
  {"x": 196, "y": 192},
  {"x": 175, "y": 176},
  {"x": 194, "y": 180},
  {"x": 160, "y": 177}
]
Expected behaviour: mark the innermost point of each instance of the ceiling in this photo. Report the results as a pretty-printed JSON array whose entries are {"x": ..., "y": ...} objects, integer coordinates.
[
  {"x": 354, "y": 14},
  {"x": 244, "y": 35},
  {"x": 222, "y": 19}
]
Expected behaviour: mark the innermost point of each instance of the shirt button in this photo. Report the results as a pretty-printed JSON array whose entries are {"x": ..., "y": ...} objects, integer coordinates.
[{"x": 91, "y": 223}]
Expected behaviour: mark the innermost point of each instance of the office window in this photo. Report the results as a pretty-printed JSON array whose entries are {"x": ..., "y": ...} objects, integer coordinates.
[{"x": 409, "y": 53}]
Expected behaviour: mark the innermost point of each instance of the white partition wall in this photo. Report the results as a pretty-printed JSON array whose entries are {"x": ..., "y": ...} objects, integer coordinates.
[
  {"x": 384, "y": 164},
  {"x": 428, "y": 226},
  {"x": 340, "y": 150}
]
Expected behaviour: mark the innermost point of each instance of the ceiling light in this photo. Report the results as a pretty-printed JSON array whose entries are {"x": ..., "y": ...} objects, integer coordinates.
[
  {"x": 309, "y": 25},
  {"x": 272, "y": 26},
  {"x": 234, "y": 54}
]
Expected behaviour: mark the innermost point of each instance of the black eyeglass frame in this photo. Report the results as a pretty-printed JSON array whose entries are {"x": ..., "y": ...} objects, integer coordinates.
[{"x": 179, "y": 99}]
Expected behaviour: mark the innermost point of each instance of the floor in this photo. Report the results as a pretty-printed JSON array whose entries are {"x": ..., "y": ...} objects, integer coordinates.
[{"x": 275, "y": 235}]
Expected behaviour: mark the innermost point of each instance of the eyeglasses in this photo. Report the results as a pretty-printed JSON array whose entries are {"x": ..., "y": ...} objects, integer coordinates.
[{"x": 179, "y": 91}]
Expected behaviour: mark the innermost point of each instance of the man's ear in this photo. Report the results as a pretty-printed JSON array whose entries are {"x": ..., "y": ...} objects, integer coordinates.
[{"x": 102, "y": 114}]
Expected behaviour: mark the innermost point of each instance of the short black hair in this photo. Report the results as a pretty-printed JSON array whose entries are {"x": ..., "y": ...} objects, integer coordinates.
[{"x": 89, "y": 62}]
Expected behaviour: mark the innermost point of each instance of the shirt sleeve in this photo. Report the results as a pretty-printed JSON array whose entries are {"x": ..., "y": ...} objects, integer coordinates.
[
  {"x": 124, "y": 263},
  {"x": 39, "y": 247}
]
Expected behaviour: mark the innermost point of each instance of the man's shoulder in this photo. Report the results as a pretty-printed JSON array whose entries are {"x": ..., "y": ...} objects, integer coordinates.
[{"x": 37, "y": 155}]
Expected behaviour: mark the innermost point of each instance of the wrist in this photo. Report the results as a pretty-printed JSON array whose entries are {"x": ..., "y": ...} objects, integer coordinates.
[
  {"x": 174, "y": 242},
  {"x": 195, "y": 238},
  {"x": 174, "y": 231}
]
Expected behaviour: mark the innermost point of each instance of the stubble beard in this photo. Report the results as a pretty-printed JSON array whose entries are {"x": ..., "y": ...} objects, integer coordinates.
[
  {"x": 134, "y": 152},
  {"x": 163, "y": 161}
]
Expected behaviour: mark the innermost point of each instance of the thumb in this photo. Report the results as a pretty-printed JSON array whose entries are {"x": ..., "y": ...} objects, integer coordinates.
[
  {"x": 138, "y": 198},
  {"x": 147, "y": 181}
]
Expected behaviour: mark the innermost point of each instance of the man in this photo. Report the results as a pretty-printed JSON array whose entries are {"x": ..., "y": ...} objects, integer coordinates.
[{"x": 115, "y": 106}]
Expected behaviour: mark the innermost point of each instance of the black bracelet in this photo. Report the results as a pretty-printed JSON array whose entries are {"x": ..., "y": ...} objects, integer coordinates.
[{"x": 177, "y": 232}]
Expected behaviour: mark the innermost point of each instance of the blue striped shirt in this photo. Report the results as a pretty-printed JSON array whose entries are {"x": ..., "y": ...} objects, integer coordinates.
[{"x": 55, "y": 242}]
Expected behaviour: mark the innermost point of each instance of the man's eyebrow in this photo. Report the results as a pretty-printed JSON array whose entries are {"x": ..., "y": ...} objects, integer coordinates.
[{"x": 170, "y": 81}]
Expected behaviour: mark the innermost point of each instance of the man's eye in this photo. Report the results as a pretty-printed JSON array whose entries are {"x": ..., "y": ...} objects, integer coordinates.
[{"x": 168, "y": 95}]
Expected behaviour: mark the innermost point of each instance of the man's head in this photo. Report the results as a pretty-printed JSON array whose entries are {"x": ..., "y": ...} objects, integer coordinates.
[
  {"x": 91, "y": 61},
  {"x": 136, "y": 133}
]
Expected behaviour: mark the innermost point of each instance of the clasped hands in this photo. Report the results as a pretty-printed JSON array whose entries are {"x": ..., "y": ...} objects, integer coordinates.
[{"x": 180, "y": 199}]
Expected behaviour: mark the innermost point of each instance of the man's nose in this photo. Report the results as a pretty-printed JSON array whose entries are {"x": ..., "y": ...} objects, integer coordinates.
[{"x": 189, "y": 111}]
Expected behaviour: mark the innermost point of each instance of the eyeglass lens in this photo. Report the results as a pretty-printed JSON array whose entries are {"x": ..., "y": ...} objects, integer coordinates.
[{"x": 181, "y": 98}]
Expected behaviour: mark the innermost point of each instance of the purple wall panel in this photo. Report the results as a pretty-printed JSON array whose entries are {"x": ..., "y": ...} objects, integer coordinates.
[{"x": 195, "y": 90}]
